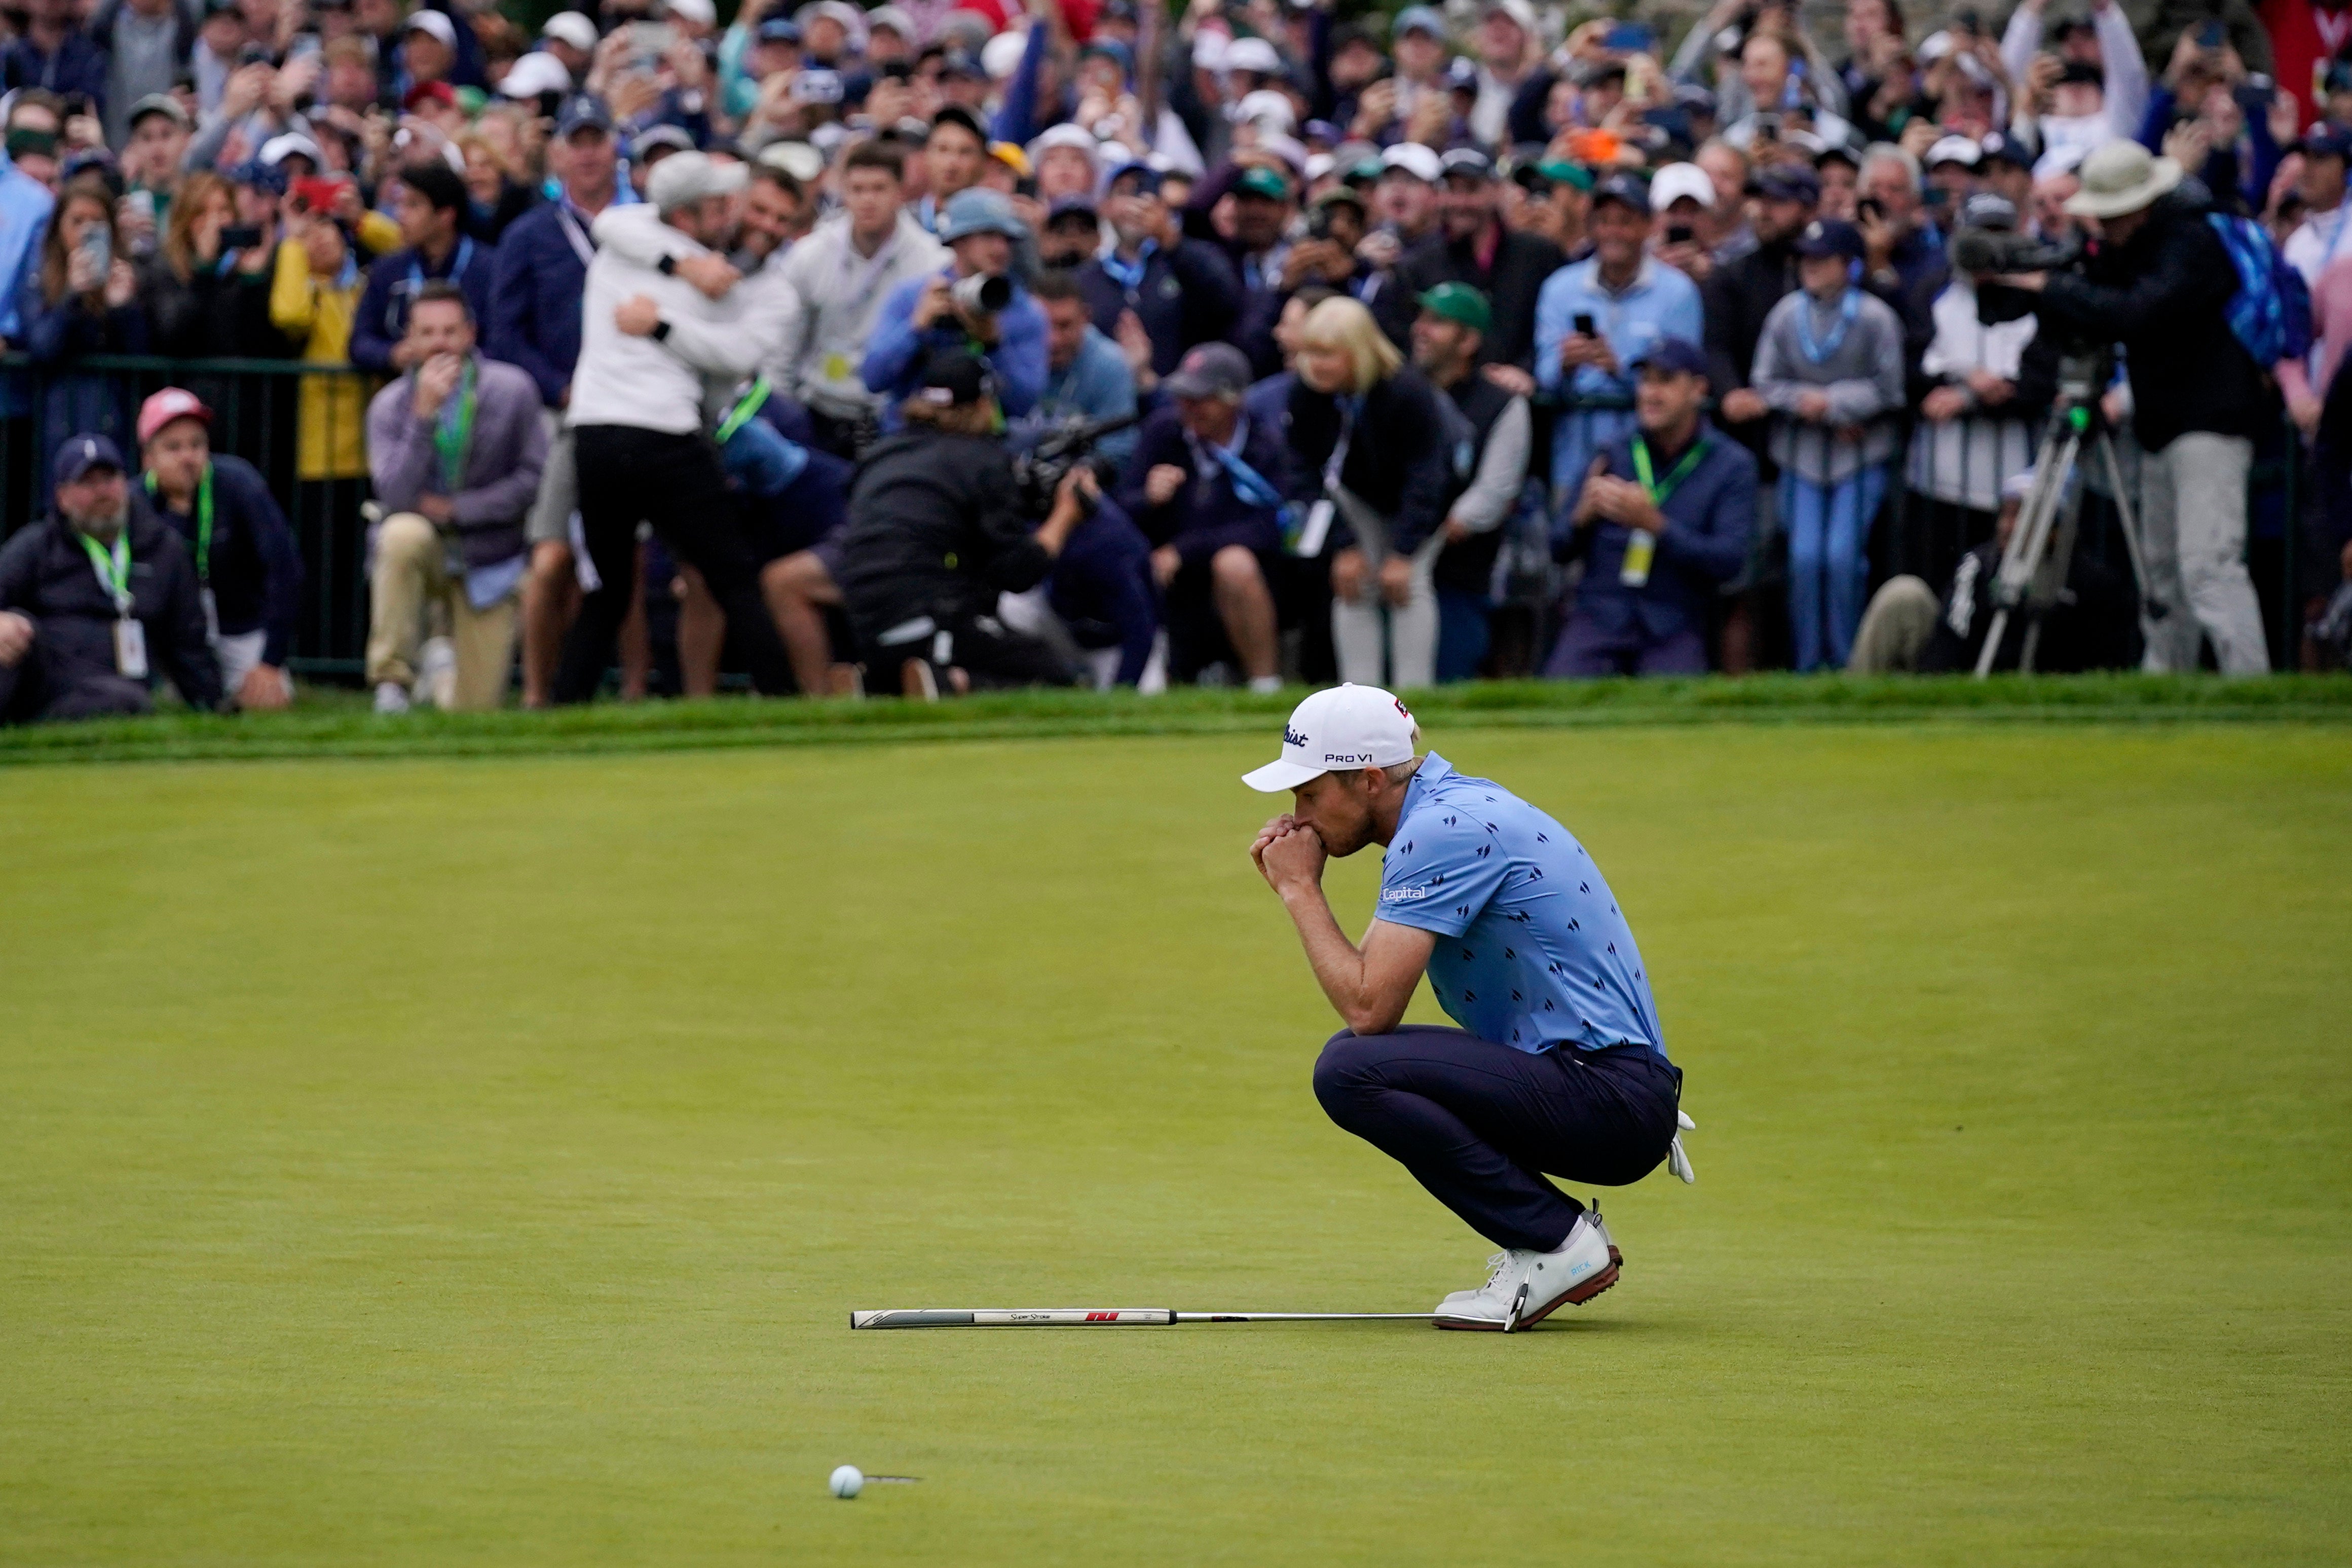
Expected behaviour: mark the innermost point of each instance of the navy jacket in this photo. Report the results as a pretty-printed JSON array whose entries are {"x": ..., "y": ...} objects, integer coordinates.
[
  {"x": 394, "y": 280},
  {"x": 78, "y": 66},
  {"x": 255, "y": 571},
  {"x": 537, "y": 282},
  {"x": 1206, "y": 515},
  {"x": 1101, "y": 588},
  {"x": 1710, "y": 517},
  {"x": 45, "y": 575},
  {"x": 1188, "y": 296},
  {"x": 1398, "y": 461}
]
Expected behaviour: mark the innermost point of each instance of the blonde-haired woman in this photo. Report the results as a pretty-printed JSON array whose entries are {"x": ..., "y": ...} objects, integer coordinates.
[{"x": 1370, "y": 425}]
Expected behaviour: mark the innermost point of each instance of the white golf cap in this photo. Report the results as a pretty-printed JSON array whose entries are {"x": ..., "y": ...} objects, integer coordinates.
[
  {"x": 571, "y": 27},
  {"x": 1342, "y": 728},
  {"x": 1415, "y": 159},
  {"x": 701, "y": 13},
  {"x": 1675, "y": 181},
  {"x": 1962, "y": 150},
  {"x": 432, "y": 23},
  {"x": 1253, "y": 55},
  {"x": 533, "y": 74},
  {"x": 689, "y": 176}
]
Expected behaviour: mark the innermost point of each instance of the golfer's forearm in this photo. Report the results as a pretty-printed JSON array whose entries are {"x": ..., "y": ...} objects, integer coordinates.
[{"x": 1339, "y": 966}]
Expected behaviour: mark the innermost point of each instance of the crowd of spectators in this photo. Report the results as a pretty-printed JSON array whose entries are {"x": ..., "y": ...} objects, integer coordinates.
[{"x": 1481, "y": 340}]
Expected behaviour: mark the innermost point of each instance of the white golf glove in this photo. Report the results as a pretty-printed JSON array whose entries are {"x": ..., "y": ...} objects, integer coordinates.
[{"x": 1676, "y": 1160}]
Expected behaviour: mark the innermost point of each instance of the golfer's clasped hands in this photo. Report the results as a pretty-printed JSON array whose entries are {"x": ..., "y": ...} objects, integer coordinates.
[{"x": 1288, "y": 853}]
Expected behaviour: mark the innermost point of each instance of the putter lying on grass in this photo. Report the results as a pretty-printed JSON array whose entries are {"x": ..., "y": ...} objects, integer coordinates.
[{"x": 1084, "y": 1316}]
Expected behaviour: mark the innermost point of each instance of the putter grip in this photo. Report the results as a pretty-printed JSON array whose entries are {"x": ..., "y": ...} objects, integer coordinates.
[{"x": 1012, "y": 1318}]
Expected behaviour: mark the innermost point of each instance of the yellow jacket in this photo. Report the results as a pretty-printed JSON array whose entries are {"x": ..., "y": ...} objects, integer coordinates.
[{"x": 331, "y": 423}]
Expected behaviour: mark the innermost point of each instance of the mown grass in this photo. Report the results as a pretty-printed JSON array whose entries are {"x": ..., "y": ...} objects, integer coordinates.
[
  {"x": 330, "y": 722},
  {"x": 474, "y": 1160}
]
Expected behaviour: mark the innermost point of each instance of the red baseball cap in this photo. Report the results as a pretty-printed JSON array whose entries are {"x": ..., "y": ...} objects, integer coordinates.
[{"x": 172, "y": 403}]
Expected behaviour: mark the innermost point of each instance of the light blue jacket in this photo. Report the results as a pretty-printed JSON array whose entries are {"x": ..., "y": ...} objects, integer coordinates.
[
  {"x": 1660, "y": 302},
  {"x": 1097, "y": 386},
  {"x": 24, "y": 207},
  {"x": 896, "y": 352}
]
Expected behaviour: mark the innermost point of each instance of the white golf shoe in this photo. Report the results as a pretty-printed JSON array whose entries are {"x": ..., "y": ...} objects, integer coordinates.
[{"x": 1523, "y": 1288}]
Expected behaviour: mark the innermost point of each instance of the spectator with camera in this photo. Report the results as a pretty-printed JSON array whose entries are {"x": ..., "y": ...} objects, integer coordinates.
[
  {"x": 1661, "y": 521},
  {"x": 973, "y": 303},
  {"x": 431, "y": 210},
  {"x": 936, "y": 533},
  {"x": 1180, "y": 291},
  {"x": 2160, "y": 284},
  {"x": 1594, "y": 318},
  {"x": 1473, "y": 247},
  {"x": 457, "y": 449},
  {"x": 248, "y": 570},
  {"x": 1206, "y": 484},
  {"x": 97, "y": 600},
  {"x": 83, "y": 301}
]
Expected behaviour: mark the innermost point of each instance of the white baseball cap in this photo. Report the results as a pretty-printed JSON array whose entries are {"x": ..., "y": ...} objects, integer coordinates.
[
  {"x": 1415, "y": 159},
  {"x": 1675, "y": 181},
  {"x": 571, "y": 27},
  {"x": 1340, "y": 728}
]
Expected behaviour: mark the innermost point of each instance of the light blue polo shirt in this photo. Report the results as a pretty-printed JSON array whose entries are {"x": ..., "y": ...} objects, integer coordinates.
[{"x": 1532, "y": 951}]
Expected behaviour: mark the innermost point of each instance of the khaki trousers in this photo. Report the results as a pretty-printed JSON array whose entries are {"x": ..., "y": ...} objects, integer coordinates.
[{"x": 412, "y": 572}]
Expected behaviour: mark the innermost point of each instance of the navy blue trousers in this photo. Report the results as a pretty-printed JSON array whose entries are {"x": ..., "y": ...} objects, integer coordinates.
[{"x": 1479, "y": 1124}]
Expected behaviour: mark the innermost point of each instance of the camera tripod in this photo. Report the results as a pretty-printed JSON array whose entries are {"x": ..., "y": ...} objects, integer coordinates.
[{"x": 2031, "y": 579}]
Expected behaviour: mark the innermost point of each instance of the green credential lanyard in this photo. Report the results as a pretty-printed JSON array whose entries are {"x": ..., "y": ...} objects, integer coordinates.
[
  {"x": 1681, "y": 470},
  {"x": 453, "y": 434},
  {"x": 113, "y": 566},
  {"x": 204, "y": 524},
  {"x": 746, "y": 406}
]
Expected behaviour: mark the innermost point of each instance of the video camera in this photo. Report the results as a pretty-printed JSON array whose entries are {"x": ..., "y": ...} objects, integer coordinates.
[
  {"x": 1984, "y": 253},
  {"x": 1038, "y": 472}
]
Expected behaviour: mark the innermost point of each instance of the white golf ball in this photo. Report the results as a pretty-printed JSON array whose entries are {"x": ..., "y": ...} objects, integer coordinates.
[{"x": 847, "y": 1481}]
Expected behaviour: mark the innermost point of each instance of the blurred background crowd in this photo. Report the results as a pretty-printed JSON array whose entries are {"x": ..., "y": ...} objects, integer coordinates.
[{"x": 1476, "y": 341}]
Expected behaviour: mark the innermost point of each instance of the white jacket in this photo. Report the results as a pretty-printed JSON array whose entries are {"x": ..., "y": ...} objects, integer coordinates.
[
  {"x": 667, "y": 383},
  {"x": 841, "y": 295}
]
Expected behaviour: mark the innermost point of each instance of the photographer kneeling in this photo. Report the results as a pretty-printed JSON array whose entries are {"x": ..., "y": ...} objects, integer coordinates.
[
  {"x": 936, "y": 533},
  {"x": 2160, "y": 282}
]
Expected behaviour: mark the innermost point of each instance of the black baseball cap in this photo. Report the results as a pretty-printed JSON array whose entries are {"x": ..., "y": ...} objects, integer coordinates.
[
  {"x": 1625, "y": 191},
  {"x": 956, "y": 378},
  {"x": 1679, "y": 355},
  {"x": 80, "y": 454},
  {"x": 1210, "y": 370},
  {"x": 957, "y": 114},
  {"x": 1788, "y": 183},
  {"x": 1831, "y": 236}
]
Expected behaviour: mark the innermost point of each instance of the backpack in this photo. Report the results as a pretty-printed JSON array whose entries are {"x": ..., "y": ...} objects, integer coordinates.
[{"x": 2271, "y": 311}]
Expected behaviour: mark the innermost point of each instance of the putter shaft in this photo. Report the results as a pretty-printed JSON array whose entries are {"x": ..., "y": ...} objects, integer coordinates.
[{"x": 1095, "y": 1317}]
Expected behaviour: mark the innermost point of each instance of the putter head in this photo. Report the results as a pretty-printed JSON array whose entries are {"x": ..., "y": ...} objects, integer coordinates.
[{"x": 1519, "y": 1305}]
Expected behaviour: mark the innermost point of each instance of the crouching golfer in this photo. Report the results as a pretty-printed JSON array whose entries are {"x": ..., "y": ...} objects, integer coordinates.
[{"x": 1560, "y": 1064}]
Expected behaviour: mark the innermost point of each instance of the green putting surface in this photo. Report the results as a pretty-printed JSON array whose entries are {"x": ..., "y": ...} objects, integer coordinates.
[{"x": 476, "y": 1160}]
